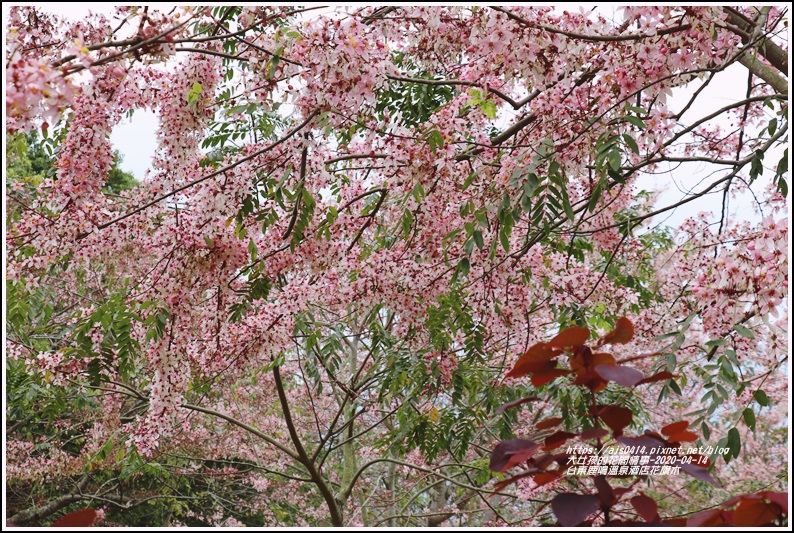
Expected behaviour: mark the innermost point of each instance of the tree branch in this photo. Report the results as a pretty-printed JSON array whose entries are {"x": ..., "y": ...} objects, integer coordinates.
[
  {"x": 205, "y": 178},
  {"x": 744, "y": 28},
  {"x": 37, "y": 513},
  {"x": 303, "y": 457}
]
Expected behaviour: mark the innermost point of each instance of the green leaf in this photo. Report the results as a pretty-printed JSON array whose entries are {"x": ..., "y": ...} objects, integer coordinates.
[
  {"x": 761, "y": 397},
  {"x": 595, "y": 196},
  {"x": 614, "y": 160},
  {"x": 407, "y": 222},
  {"x": 772, "y": 126},
  {"x": 463, "y": 267},
  {"x": 716, "y": 342},
  {"x": 566, "y": 204},
  {"x": 418, "y": 192},
  {"x": 478, "y": 240},
  {"x": 274, "y": 62},
  {"x": 671, "y": 363},
  {"x": 471, "y": 178},
  {"x": 631, "y": 143},
  {"x": 734, "y": 443},
  {"x": 607, "y": 144},
  {"x": 782, "y": 186},
  {"x": 636, "y": 121},
  {"x": 488, "y": 108},
  {"x": 468, "y": 246},
  {"x": 780, "y": 170},
  {"x": 743, "y": 331},
  {"x": 749, "y": 418},
  {"x": 434, "y": 140},
  {"x": 756, "y": 165},
  {"x": 504, "y": 239}
]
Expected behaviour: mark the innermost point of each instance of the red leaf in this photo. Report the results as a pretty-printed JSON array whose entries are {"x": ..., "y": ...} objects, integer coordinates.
[
  {"x": 654, "y": 435},
  {"x": 541, "y": 461},
  {"x": 557, "y": 439},
  {"x": 622, "y": 375},
  {"x": 593, "y": 433},
  {"x": 579, "y": 360},
  {"x": 676, "y": 522},
  {"x": 548, "y": 423},
  {"x": 509, "y": 481},
  {"x": 779, "y": 498},
  {"x": 583, "y": 361},
  {"x": 536, "y": 359},
  {"x": 516, "y": 403},
  {"x": 573, "y": 336},
  {"x": 646, "y": 507},
  {"x": 751, "y": 513},
  {"x": 700, "y": 473},
  {"x": 675, "y": 427},
  {"x": 615, "y": 417},
  {"x": 511, "y": 452},
  {"x": 645, "y": 445},
  {"x": 545, "y": 477},
  {"x": 81, "y": 518},
  {"x": 710, "y": 518},
  {"x": 520, "y": 457},
  {"x": 605, "y": 493},
  {"x": 664, "y": 375},
  {"x": 541, "y": 378},
  {"x": 573, "y": 509},
  {"x": 623, "y": 332},
  {"x": 683, "y": 436},
  {"x": 602, "y": 358},
  {"x": 592, "y": 381},
  {"x": 736, "y": 499}
]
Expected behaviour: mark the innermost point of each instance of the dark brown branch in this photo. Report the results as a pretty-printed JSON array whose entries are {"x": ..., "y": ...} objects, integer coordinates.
[
  {"x": 303, "y": 457},
  {"x": 744, "y": 28},
  {"x": 209, "y": 52},
  {"x": 370, "y": 218},
  {"x": 523, "y": 122},
  {"x": 241, "y": 425},
  {"x": 205, "y": 178},
  {"x": 141, "y": 44},
  {"x": 594, "y": 38},
  {"x": 355, "y": 156},
  {"x": 106, "y": 44},
  {"x": 497, "y": 92},
  {"x": 379, "y": 13}
]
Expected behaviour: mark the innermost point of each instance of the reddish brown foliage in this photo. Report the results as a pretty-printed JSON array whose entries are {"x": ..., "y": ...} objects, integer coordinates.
[{"x": 594, "y": 371}]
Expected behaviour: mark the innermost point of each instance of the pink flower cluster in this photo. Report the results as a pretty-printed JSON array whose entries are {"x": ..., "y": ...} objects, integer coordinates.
[{"x": 34, "y": 92}]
